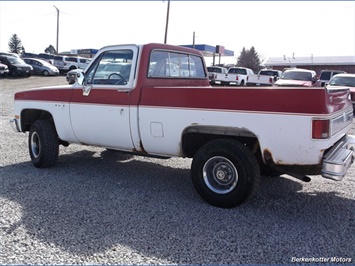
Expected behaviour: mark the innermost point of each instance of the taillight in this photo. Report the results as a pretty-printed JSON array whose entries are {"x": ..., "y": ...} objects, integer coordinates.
[
  {"x": 237, "y": 77},
  {"x": 320, "y": 129},
  {"x": 270, "y": 80}
]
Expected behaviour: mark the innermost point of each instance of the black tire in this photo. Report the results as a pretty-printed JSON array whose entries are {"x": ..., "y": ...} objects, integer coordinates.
[
  {"x": 45, "y": 73},
  {"x": 225, "y": 173},
  {"x": 43, "y": 144}
]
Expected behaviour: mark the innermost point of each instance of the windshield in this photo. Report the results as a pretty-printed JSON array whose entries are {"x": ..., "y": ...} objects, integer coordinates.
[
  {"x": 268, "y": 73},
  {"x": 214, "y": 69},
  {"x": 239, "y": 71},
  {"x": 15, "y": 60},
  {"x": 297, "y": 75},
  {"x": 44, "y": 63},
  {"x": 343, "y": 81}
]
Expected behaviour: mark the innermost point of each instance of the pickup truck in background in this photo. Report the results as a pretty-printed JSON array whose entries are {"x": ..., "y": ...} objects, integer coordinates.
[
  {"x": 151, "y": 106},
  {"x": 216, "y": 74},
  {"x": 265, "y": 77},
  {"x": 236, "y": 76},
  {"x": 297, "y": 77}
]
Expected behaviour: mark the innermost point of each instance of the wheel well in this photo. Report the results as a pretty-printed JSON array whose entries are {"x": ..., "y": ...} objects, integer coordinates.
[
  {"x": 194, "y": 138},
  {"x": 29, "y": 116}
]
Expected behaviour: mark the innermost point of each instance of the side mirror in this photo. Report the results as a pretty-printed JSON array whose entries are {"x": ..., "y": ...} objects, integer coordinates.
[{"x": 79, "y": 78}]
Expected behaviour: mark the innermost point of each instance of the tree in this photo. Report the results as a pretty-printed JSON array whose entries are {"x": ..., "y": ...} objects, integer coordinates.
[
  {"x": 50, "y": 50},
  {"x": 250, "y": 59},
  {"x": 15, "y": 45},
  {"x": 243, "y": 58}
]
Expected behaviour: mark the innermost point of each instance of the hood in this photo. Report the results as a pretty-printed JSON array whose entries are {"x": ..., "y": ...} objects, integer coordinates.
[
  {"x": 52, "y": 93},
  {"x": 293, "y": 83}
]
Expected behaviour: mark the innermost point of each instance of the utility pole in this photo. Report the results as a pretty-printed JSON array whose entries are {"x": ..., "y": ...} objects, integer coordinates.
[
  {"x": 193, "y": 40},
  {"x": 57, "y": 28},
  {"x": 167, "y": 22}
]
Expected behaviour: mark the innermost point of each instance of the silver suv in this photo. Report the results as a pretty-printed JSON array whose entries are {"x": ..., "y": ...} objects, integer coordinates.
[{"x": 66, "y": 63}]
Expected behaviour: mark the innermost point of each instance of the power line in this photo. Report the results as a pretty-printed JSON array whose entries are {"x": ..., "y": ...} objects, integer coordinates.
[{"x": 37, "y": 17}]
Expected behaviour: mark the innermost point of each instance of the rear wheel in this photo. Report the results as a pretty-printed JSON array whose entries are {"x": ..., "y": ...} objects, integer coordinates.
[
  {"x": 43, "y": 144},
  {"x": 225, "y": 173}
]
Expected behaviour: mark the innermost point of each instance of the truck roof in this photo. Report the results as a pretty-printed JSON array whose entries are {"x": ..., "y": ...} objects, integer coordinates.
[{"x": 160, "y": 46}]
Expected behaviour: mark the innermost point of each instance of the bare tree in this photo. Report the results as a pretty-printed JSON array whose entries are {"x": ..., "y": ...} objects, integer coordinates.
[{"x": 50, "y": 50}]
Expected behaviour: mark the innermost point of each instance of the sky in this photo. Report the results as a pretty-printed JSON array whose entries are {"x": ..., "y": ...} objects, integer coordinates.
[{"x": 274, "y": 28}]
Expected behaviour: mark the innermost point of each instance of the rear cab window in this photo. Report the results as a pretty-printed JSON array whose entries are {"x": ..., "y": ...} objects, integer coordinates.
[{"x": 168, "y": 64}]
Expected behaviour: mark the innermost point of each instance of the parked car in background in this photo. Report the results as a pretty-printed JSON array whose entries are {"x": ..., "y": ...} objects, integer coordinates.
[
  {"x": 9, "y": 54},
  {"x": 46, "y": 57},
  {"x": 58, "y": 62},
  {"x": 237, "y": 76},
  {"x": 216, "y": 73},
  {"x": 29, "y": 55},
  {"x": 4, "y": 70},
  {"x": 265, "y": 77},
  {"x": 72, "y": 74},
  {"x": 66, "y": 63},
  {"x": 41, "y": 67},
  {"x": 326, "y": 75},
  {"x": 17, "y": 67},
  {"x": 343, "y": 80},
  {"x": 297, "y": 77}
]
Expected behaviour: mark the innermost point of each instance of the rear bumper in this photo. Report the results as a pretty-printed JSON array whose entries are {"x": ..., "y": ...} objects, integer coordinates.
[{"x": 337, "y": 161}]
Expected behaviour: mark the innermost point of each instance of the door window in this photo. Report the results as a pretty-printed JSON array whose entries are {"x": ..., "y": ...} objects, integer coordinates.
[{"x": 112, "y": 68}]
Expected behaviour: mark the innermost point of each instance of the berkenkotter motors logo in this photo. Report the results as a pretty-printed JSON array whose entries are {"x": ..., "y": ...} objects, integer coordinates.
[{"x": 321, "y": 260}]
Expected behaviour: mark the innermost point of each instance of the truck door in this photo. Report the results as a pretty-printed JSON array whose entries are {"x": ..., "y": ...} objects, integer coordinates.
[{"x": 100, "y": 107}]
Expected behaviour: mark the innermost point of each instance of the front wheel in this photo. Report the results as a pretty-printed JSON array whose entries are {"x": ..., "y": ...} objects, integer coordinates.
[
  {"x": 43, "y": 144},
  {"x": 225, "y": 173}
]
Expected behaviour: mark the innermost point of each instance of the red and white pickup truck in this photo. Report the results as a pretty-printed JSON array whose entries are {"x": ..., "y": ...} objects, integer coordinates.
[{"x": 151, "y": 107}]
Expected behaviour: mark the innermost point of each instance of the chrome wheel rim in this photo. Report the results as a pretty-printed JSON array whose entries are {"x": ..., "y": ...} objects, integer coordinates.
[
  {"x": 35, "y": 145},
  {"x": 220, "y": 175}
]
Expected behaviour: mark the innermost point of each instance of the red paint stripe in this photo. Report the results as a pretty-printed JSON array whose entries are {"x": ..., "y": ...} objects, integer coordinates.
[
  {"x": 290, "y": 100},
  {"x": 307, "y": 101}
]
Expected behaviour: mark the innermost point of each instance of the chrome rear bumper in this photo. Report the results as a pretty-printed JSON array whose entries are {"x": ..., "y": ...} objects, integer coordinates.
[{"x": 339, "y": 158}]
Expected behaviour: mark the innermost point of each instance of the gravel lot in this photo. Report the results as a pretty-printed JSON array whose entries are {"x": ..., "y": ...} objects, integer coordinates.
[{"x": 100, "y": 207}]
